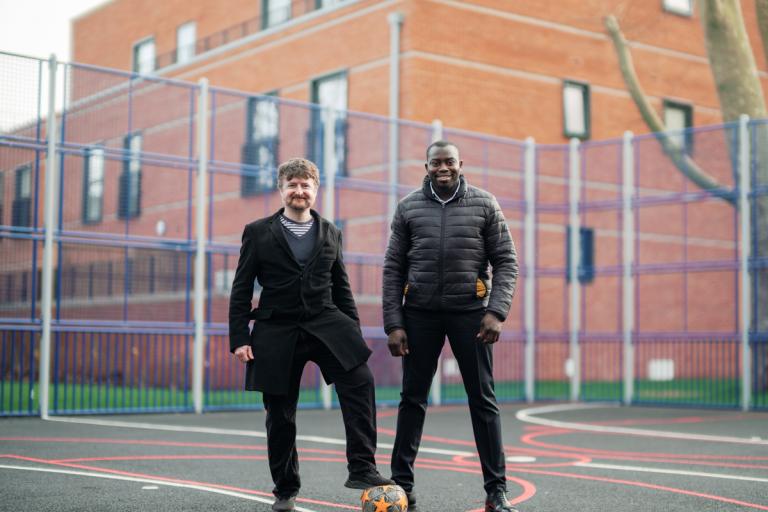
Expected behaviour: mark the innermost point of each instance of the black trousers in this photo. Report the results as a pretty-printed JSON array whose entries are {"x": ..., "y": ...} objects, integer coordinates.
[
  {"x": 356, "y": 392},
  {"x": 426, "y": 332}
]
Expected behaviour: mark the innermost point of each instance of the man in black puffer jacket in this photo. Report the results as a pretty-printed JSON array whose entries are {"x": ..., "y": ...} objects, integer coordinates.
[{"x": 437, "y": 284}]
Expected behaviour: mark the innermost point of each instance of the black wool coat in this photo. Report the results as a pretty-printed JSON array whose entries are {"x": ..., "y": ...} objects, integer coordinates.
[{"x": 316, "y": 299}]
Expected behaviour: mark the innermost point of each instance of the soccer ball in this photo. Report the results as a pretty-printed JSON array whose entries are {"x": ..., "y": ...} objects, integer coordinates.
[{"x": 384, "y": 498}]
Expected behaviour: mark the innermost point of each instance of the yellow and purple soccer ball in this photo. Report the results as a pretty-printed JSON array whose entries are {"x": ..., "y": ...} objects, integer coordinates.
[{"x": 384, "y": 498}]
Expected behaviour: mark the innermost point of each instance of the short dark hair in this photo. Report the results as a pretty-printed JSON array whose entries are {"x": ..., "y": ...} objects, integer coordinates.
[
  {"x": 298, "y": 168},
  {"x": 440, "y": 144}
]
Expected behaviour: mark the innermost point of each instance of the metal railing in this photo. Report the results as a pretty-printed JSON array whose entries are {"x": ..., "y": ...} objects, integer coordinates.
[{"x": 660, "y": 303}]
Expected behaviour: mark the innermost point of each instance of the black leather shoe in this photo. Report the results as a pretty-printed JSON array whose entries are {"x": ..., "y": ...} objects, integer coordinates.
[
  {"x": 497, "y": 502},
  {"x": 284, "y": 504},
  {"x": 411, "y": 501},
  {"x": 366, "y": 480}
]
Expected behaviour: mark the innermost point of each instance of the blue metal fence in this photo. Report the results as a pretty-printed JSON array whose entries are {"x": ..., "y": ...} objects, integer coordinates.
[{"x": 125, "y": 248}]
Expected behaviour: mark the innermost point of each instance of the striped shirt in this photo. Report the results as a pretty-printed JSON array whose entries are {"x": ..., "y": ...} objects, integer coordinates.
[{"x": 298, "y": 229}]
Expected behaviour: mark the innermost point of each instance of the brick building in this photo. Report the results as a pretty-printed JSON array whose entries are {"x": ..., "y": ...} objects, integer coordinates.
[
  {"x": 507, "y": 69},
  {"x": 492, "y": 66}
]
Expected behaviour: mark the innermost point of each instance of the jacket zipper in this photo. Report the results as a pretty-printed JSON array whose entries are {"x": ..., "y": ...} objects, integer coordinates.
[{"x": 440, "y": 265}]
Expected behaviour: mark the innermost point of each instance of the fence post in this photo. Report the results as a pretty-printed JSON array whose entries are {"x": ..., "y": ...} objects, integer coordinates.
[
  {"x": 200, "y": 253},
  {"x": 436, "y": 391},
  {"x": 628, "y": 253},
  {"x": 575, "y": 252},
  {"x": 529, "y": 249},
  {"x": 745, "y": 216},
  {"x": 330, "y": 164},
  {"x": 49, "y": 224},
  {"x": 395, "y": 20}
]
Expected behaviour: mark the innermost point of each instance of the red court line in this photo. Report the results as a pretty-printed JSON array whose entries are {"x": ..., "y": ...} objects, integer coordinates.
[
  {"x": 462, "y": 459},
  {"x": 648, "y": 486},
  {"x": 531, "y": 439},
  {"x": 179, "y": 481},
  {"x": 529, "y": 489},
  {"x": 507, "y": 449},
  {"x": 200, "y": 456},
  {"x": 103, "y": 440}
]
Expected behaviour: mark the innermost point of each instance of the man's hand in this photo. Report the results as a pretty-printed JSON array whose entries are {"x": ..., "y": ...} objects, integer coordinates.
[
  {"x": 244, "y": 353},
  {"x": 397, "y": 341},
  {"x": 490, "y": 329}
]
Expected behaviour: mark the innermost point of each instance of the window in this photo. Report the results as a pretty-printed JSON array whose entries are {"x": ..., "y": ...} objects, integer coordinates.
[
  {"x": 329, "y": 92},
  {"x": 2, "y": 198},
  {"x": 586, "y": 264},
  {"x": 144, "y": 56},
  {"x": 22, "y": 203},
  {"x": 262, "y": 132},
  {"x": 326, "y": 3},
  {"x": 682, "y": 7},
  {"x": 93, "y": 185},
  {"x": 274, "y": 12},
  {"x": 185, "y": 42},
  {"x": 678, "y": 119},
  {"x": 129, "y": 200},
  {"x": 575, "y": 110}
]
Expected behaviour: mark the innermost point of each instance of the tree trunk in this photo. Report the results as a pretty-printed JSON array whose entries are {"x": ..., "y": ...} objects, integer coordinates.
[
  {"x": 738, "y": 87},
  {"x": 735, "y": 72}
]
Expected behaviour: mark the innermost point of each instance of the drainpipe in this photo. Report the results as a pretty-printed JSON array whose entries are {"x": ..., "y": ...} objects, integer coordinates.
[{"x": 395, "y": 20}]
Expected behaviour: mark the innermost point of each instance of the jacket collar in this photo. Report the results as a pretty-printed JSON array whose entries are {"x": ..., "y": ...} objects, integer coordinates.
[
  {"x": 276, "y": 227},
  {"x": 426, "y": 189}
]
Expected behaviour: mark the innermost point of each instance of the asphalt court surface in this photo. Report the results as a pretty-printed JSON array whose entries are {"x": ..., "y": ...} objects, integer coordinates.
[{"x": 560, "y": 457}]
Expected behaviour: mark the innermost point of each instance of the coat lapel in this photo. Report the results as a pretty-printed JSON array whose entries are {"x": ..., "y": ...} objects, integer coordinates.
[
  {"x": 277, "y": 232},
  {"x": 322, "y": 234}
]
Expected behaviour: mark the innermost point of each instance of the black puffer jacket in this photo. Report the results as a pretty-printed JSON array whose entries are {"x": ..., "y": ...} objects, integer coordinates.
[{"x": 438, "y": 255}]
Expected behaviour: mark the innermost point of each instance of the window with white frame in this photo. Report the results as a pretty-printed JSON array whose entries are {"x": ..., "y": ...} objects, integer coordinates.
[
  {"x": 575, "y": 109},
  {"x": 186, "y": 35},
  {"x": 262, "y": 132},
  {"x": 22, "y": 201},
  {"x": 129, "y": 200},
  {"x": 330, "y": 95},
  {"x": 678, "y": 119},
  {"x": 93, "y": 185},
  {"x": 682, "y": 7},
  {"x": 274, "y": 12},
  {"x": 144, "y": 56}
]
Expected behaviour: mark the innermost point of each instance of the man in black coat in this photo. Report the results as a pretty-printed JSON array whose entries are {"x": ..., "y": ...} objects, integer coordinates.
[
  {"x": 437, "y": 284},
  {"x": 306, "y": 312}
]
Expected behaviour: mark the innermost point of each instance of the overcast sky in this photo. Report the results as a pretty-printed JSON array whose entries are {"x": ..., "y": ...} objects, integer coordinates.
[{"x": 40, "y": 27}]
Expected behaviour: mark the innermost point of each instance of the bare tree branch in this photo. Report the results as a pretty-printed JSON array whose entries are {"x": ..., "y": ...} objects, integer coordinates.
[{"x": 675, "y": 151}]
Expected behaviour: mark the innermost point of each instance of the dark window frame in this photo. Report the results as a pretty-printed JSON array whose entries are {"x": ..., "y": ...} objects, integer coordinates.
[
  {"x": 135, "y": 51},
  {"x": 87, "y": 184},
  {"x": 315, "y": 142},
  {"x": 586, "y": 101},
  {"x": 2, "y": 198},
  {"x": 125, "y": 210},
  {"x": 255, "y": 146},
  {"x": 687, "y": 110},
  {"x": 265, "y": 21},
  {"x": 585, "y": 267},
  {"x": 21, "y": 209}
]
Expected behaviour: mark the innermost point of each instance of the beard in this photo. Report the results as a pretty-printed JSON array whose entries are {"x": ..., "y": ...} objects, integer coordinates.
[{"x": 298, "y": 203}]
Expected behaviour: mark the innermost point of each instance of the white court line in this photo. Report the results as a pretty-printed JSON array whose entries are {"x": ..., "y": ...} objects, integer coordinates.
[
  {"x": 529, "y": 416},
  {"x": 233, "y": 432},
  {"x": 670, "y": 472},
  {"x": 151, "y": 481}
]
